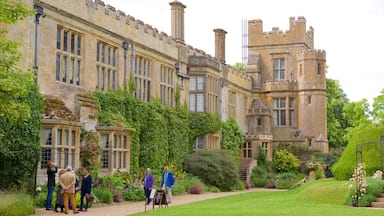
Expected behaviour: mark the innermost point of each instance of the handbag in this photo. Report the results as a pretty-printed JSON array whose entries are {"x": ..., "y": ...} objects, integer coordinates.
[{"x": 89, "y": 197}]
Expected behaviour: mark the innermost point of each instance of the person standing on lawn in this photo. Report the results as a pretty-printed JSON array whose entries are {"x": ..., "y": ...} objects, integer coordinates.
[
  {"x": 167, "y": 181},
  {"x": 86, "y": 188},
  {"x": 148, "y": 184}
]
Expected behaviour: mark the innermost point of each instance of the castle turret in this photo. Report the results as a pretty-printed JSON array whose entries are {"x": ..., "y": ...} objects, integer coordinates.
[
  {"x": 220, "y": 44},
  {"x": 177, "y": 20}
]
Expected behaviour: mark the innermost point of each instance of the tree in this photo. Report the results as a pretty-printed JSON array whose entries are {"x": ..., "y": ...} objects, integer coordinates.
[
  {"x": 336, "y": 124},
  {"x": 21, "y": 106},
  {"x": 232, "y": 138},
  {"x": 357, "y": 116},
  {"x": 378, "y": 108},
  {"x": 14, "y": 83},
  {"x": 239, "y": 66}
]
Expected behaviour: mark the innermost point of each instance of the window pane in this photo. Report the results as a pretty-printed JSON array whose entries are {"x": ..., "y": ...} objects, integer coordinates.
[
  {"x": 103, "y": 53},
  {"x": 114, "y": 141},
  {"x": 276, "y": 118},
  {"x": 109, "y": 55},
  {"x": 192, "y": 84},
  {"x": 78, "y": 45},
  {"x": 125, "y": 142},
  {"x": 200, "y": 83},
  {"x": 104, "y": 141},
  {"x": 125, "y": 160},
  {"x": 65, "y": 42},
  {"x": 73, "y": 43},
  {"x": 66, "y": 135},
  {"x": 65, "y": 158},
  {"x": 47, "y": 136},
  {"x": 58, "y": 67},
  {"x": 282, "y": 102},
  {"x": 73, "y": 157},
  {"x": 291, "y": 118},
  {"x": 282, "y": 63},
  {"x": 113, "y": 80},
  {"x": 59, "y": 136},
  {"x": 114, "y": 159},
  {"x": 64, "y": 69},
  {"x": 275, "y": 103},
  {"x": 78, "y": 73},
  {"x": 102, "y": 78},
  {"x": 192, "y": 102},
  {"x": 58, "y": 157},
  {"x": 282, "y": 120},
  {"x": 275, "y": 63},
  {"x": 109, "y": 79},
  {"x": 73, "y": 135},
  {"x": 71, "y": 70},
  {"x": 58, "y": 38},
  {"x": 105, "y": 159},
  {"x": 149, "y": 69},
  {"x": 98, "y": 52},
  {"x": 200, "y": 103},
  {"x": 46, "y": 156},
  {"x": 282, "y": 74},
  {"x": 114, "y": 58}
]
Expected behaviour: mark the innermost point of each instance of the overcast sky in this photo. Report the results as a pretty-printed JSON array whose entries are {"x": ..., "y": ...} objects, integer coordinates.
[{"x": 350, "y": 31}]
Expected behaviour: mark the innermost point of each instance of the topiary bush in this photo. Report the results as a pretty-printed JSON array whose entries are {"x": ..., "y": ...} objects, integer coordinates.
[
  {"x": 283, "y": 161},
  {"x": 215, "y": 168},
  {"x": 344, "y": 168}
]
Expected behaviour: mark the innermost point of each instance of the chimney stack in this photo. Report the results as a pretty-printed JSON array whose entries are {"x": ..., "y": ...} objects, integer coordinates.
[
  {"x": 220, "y": 44},
  {"x": 177, "y": 11}
]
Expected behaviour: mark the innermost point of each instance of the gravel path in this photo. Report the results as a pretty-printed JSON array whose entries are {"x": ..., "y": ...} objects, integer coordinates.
[{"x": 127, "y": 208}]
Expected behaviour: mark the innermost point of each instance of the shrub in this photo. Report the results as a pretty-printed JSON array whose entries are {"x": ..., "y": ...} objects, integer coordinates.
[
  {"x": 319, "y": 174},
  {"x": 104, "y": 195},
  {"x": 260, "y": 176},
  {"x": 214, "y": 189},
  {"x": 16, "y": 205},
  {"x": 283, "y": 161},
  {"x": 196, "y": 189},
  {"x": 287, "y": 176},
  {"x": 375, "y": 187},
  {"x": 134, "y": 192},
  {"x": 178, "y": 188},
  {"x": 344, "y": 168},
  {"x": 214, "y": 168},
  {"x": 270, "y": 184}
]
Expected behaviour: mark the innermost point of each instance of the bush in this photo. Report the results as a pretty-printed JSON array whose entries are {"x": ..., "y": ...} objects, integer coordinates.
[
  {"x": 214, "y": 189},
  {"x": 319, "y": 174},
  {"x": 283, "y": 161},
  {"x": 178, "y": 188},
  {"x": 104, "y": 195},
  {"x": 134, "y": 192},
  {"x": 375, "y": 187},
  {"x": 344, "y": 168},
  {"x": 215, "y": 168},
  {"x": 270, "y": 184},
  {"x": 260, "y": 176},
  {"x": 16, "y": 205},
  {"x": 197, "y": 189}
]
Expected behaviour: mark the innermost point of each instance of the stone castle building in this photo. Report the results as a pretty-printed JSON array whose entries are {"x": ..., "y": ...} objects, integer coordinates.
[{"x": 79, "y": 46}]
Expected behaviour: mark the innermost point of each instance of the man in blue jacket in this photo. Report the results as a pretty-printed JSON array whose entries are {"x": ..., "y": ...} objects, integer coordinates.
[{"x": 167, "y": 181}]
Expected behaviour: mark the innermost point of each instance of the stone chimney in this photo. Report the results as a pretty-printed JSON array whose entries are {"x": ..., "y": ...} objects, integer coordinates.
[
  {"x": 220, "y": 44},
  {"x": 177, "y": 11}
]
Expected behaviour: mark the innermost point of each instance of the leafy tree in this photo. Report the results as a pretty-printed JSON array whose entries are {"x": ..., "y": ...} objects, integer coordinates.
[
  {"x": 232, "y": 138},
  {"x": 239, "y": 66},
  {"x": 357, "y": 116},
  {"x": 378, "y": 108},
  {"x": 21, "y": 106},
  {"x": 336, "y": 123}
]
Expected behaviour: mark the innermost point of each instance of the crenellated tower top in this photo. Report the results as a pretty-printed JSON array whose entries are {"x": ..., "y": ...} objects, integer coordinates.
[{"x": 297, "y": 34}]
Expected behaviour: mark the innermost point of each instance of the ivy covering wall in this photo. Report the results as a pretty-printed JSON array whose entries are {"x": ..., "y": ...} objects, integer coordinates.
[
  {"x": 232, "y": 138},
  {"x": 159, "y": 134}
]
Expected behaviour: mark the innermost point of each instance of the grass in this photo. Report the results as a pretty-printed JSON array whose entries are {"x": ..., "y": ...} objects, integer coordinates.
[
  {"x": 16, "y": 205},
  {"x": 322, "y": 197}
]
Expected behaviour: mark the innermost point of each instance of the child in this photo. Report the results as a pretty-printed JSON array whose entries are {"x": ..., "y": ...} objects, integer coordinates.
[{"x": 59, "y": 195}]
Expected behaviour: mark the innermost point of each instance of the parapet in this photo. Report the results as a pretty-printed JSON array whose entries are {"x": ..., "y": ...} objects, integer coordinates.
[
  {"x": 312, "y": 54},
  {"x": 113, "y": 20},
  {"x": 297, "y": 33}
]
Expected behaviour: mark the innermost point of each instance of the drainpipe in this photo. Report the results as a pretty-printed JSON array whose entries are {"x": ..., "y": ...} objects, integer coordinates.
[
  {"x": 133, "y": 64},
  {"x": 39, "y": 12}
]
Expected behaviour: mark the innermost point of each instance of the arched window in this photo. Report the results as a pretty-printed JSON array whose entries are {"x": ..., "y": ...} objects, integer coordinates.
[{"x": 318, "y": 69}]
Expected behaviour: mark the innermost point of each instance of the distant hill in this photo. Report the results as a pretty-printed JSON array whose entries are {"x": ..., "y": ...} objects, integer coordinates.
[{"x": 372, "y": 158}]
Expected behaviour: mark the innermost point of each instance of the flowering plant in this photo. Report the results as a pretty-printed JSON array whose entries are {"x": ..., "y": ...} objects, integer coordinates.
[{"x": 360, "y": 179}]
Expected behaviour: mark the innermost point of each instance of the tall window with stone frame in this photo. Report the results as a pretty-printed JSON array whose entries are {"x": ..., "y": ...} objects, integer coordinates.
[
  {"x": 247, "y": 150},
  {"x": 106, "y": 66},
  {"x": 58, "y": 144},
  {"x": 199, "y": 143},
  {"x": 120, "y": 151},
  {"x": 279, "y": 112},
  {"x": 278, "y": 69},
  {"x": 196, "y": 93},
  {"x": 231, "y": 104},
  {"x": 213, "y": 88},
  {"x": 68, "y": 56},
  {"x": 166, "y": 85},
  {"x": 143, "y": 78},
  {"x": 105, "y": 156}
]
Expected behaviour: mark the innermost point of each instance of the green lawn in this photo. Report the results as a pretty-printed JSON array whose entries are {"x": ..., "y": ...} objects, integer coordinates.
[{"x": 323, "y": 197}]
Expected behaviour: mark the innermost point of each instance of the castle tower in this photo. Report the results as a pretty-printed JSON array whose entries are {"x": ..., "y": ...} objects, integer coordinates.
[
  {"x": 220, "y": 44},
  {"x": 177, "y": 20}
]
